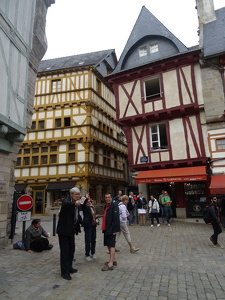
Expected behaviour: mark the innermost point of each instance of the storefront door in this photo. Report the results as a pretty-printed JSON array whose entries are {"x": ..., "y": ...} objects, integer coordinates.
[
  {"x": 39, "y": 202},
  {"x": 195, "y": 196}
]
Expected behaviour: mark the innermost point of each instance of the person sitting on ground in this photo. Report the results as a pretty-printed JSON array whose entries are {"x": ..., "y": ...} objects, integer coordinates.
[
  {"x": 34, "y": 240},
  {"x": 153, "y": 210},
  {"x": 123, "y": 223}
]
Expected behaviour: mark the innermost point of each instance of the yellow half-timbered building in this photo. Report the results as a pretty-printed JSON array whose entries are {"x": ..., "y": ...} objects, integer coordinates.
[{"x": 74, "y": 139}]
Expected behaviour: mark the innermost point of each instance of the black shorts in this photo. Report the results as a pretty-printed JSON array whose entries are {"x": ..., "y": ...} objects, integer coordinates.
[{"x": 110, "y": 240}]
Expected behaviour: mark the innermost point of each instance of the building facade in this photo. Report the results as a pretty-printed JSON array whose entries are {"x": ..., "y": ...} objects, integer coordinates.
[
  {"x": 23, "y": 44},
  {"x": 74, "y": 139},
  {"x": 165, "y": 107}
]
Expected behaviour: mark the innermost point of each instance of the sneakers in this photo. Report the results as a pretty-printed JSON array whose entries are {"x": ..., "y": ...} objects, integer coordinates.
[
  {"x": 151, "y": 225},
  {"x": 94, "y": 256},
  {"x": 158, "y": 225},
  {"x": 168, "y": 224},
  {"x": 134, "y": 250},
  {"x": 89, "y": 258},
  {"x": 114, "y": 263},
  {"x": 107, "y": 268}
]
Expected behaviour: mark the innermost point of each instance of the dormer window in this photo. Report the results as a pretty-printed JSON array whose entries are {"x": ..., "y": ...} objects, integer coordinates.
[
  {"x": 142, "y": 51},
  {"x": 154, "y": 47}
]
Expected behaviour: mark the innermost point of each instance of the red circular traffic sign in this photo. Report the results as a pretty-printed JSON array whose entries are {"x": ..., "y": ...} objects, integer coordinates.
[{"x": 25, "y": 202}]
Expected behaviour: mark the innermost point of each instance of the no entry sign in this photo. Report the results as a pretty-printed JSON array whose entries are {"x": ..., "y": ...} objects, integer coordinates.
[{"x": 25, "y": 202}]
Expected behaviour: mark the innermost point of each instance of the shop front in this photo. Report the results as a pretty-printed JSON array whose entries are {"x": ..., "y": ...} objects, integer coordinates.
[{"x": 186, "y": 186}]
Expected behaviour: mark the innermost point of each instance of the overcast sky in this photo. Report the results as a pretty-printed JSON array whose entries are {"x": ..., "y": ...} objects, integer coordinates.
[{"x": 76, "y": 27}]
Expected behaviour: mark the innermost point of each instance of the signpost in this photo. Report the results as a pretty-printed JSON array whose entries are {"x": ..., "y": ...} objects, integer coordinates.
[{"x": 24, "y": 204}]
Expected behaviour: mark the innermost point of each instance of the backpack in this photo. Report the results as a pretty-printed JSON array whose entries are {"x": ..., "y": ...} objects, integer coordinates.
[
  {"x": 206, "y": 215},
  {"x": 19, "y": 245}
]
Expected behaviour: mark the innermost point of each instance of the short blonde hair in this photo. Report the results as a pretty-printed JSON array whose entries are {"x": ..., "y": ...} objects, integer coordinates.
[{"x": 124, "y": 197}]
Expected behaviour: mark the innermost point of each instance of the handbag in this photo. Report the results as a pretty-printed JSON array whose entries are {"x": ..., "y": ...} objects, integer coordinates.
[{"x": 154, "y": 211}]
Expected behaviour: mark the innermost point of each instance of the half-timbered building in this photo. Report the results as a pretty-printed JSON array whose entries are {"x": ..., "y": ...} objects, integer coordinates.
[
  {"x": 160, "y": 102},
  {"x": 74, "y": 139}
]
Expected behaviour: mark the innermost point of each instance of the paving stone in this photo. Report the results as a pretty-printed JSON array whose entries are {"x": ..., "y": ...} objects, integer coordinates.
[{"x": 187, "y": 267}]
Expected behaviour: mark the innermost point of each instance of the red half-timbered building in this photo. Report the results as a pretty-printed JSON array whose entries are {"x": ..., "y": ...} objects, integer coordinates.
[{"x": 160, "y": 106}]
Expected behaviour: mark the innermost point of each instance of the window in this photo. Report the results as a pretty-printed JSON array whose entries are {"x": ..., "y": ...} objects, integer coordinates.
[
  {"x": 19, "y": 152},
  {"x": 35, "y": 160},
  {"x": 158, "y": 137},
  {"x": 152, "y": 88},
  {"x": 53, "y": 159},
  {"x": 67, "y": 122},
  {"x": 71, "y": 157},
  {"x": 58, "y": 122},
  {"x": 27, "y": 151},
  {"x": 220, "y": 144},
  {"x": 35, "y": 150},
  {"x": 98, "y": 86},
  {"x": 26, "y": 161},
  {"x": 154, "y": 47},
  {"x": 18, "y": 162},
  {"x": 44, "y": 159},
  {"x": 41, "y": 124},
  {"x": 33, "y": 125},
  {"x": 44, "y": 149},
  {"x": 142, "y": 51},
  {"x": 56, "y": 86},
  {"x": 71, "y": 147},
  {"x": 53, "y": 148}
]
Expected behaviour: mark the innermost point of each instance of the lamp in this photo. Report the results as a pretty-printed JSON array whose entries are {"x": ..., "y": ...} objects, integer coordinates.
[{"x": 121, "y": 136}]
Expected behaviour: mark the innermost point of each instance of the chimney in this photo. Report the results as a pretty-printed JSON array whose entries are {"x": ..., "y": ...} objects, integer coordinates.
[{"x": 206, "y": 14}]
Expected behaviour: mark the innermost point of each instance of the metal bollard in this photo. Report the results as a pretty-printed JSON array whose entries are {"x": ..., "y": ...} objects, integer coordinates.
[{"x": 54, "y": 224}]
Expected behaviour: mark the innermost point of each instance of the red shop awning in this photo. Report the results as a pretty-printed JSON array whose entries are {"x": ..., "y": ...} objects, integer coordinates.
[
  {"x": 172, "y": 175},
  {"x": 217, "y": 184}
]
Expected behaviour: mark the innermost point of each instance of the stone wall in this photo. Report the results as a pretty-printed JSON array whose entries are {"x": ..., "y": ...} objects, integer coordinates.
[{"x": 7, "y": 160}]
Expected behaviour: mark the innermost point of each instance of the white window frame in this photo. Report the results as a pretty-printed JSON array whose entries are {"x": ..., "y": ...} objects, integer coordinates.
[
  {"x": 158, "y": 139},
  {"x": 142, "y": 51},
  {"x": 147, "y": 81},
  {"x": 154, "y": 47}
]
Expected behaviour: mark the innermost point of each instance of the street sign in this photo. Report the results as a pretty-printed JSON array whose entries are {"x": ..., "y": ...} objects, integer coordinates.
[
  {"x": 24, "y": 216},
  {"x": 25, "y": 202}
]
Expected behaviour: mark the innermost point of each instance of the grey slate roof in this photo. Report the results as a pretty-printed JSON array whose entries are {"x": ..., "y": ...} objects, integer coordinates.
[
  {"x": 214, "y": 35},
  {"x": 80, "y": 60},
  {"x": 148, "y": 29}
]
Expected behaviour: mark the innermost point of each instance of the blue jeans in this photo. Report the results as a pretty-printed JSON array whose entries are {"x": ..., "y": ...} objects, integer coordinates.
[
  {"x": 168, "y": 213},
  {"x": 131, "y": 217}
]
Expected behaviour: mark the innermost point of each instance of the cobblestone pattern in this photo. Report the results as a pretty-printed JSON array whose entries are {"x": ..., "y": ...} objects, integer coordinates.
[{"x": 176, "y": 262}]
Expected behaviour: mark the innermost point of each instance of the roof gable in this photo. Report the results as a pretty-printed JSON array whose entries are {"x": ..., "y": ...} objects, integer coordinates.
[{"x": 148, "y": 29}]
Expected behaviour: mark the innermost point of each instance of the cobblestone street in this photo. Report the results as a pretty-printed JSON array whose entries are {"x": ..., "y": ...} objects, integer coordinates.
[{"x": 176, "y": 262}]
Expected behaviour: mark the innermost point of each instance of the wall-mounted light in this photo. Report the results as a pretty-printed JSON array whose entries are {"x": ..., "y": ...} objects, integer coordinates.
[{"x": 121, "y": 136}]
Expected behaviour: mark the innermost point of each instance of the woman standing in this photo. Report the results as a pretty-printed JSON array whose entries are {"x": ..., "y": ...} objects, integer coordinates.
[
  {"x": 141, "y": 204},
  {"x": 153, "y": 210},
  {"x": 90, "y": 222},
  {"x": 167, "y": 202}
]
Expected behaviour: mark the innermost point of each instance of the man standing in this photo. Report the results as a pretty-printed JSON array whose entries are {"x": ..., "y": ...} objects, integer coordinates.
[
  {"x": 214, "y": 219},
  {"x": 68, "y": 225},
  {"x": 110, "y": 226},
  {"x": 131, "y": 208}
]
